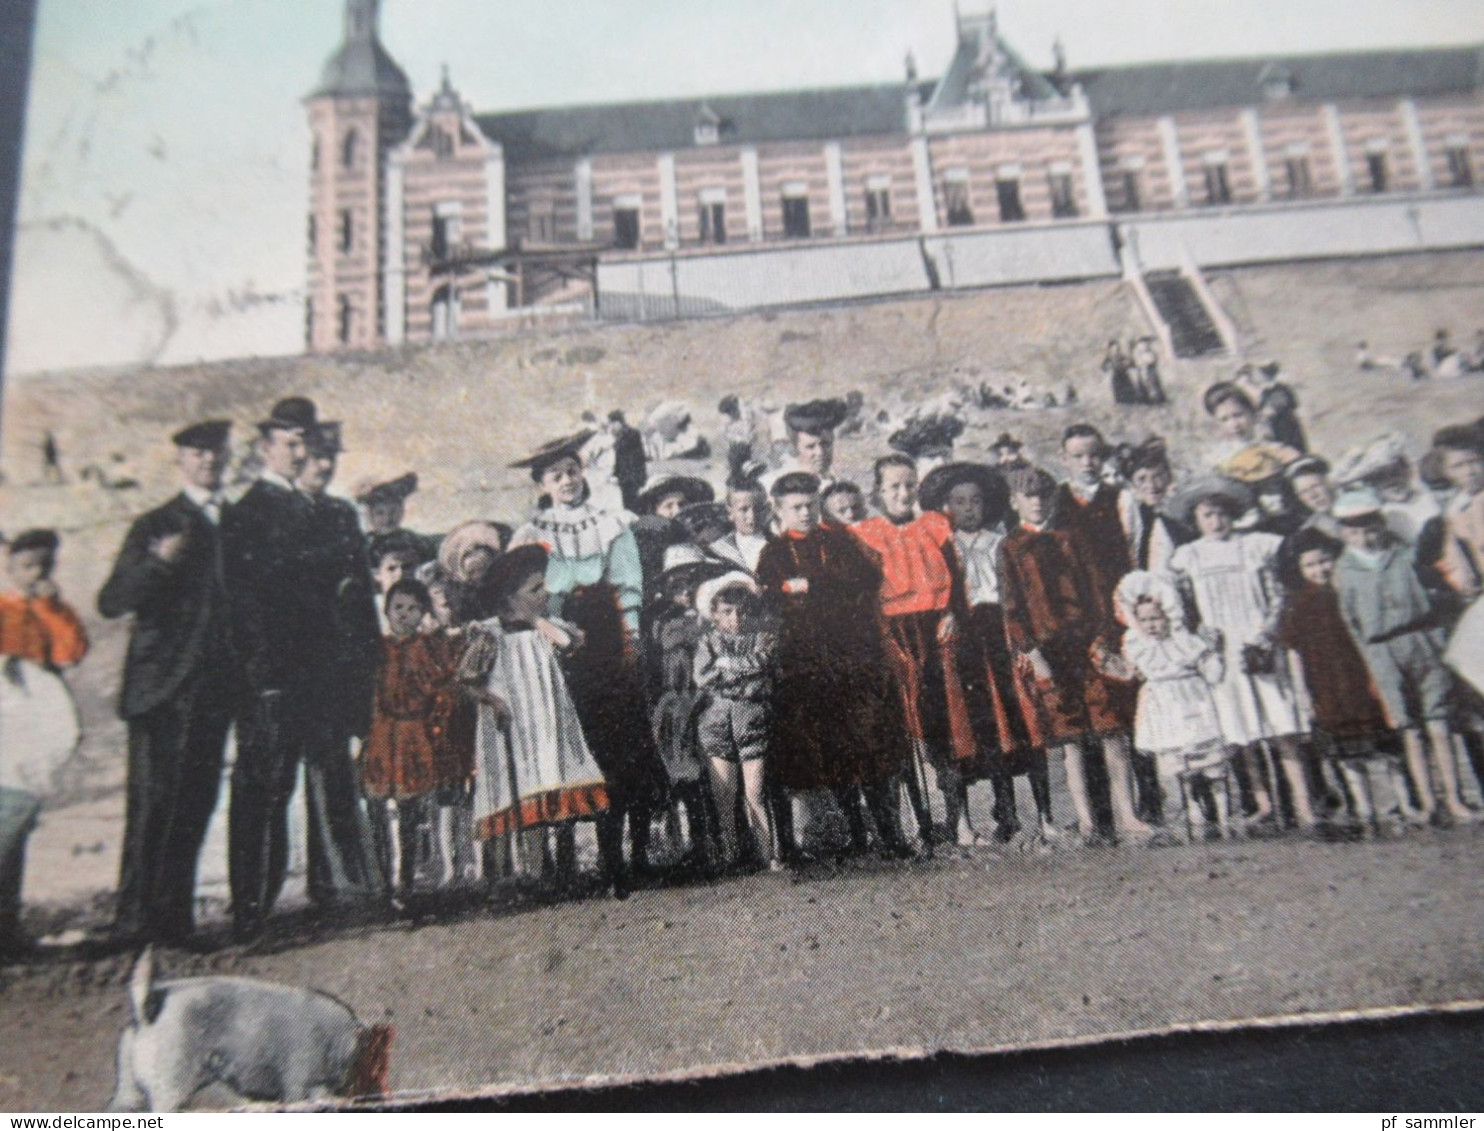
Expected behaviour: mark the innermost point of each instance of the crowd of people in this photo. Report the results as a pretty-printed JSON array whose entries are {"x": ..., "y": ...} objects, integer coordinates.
[
  {"x": 1251, "y": 639},
  {"x": 1442, "y": 359}
]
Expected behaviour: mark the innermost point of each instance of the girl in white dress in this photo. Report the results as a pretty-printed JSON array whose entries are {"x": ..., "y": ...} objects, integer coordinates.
[
  {"x": 533, "y": 767},
  {"x": 1230, "y": 577},
  {"x": 1176, "y": 720}
]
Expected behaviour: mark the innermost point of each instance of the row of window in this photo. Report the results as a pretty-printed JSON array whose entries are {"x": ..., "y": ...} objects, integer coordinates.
[
  {"x": 345, "y": 234},
  {"x": 439, "y": 140},
  {"x": 444, "y": 309},
  {"x": 447, "y": 229},
  {"x": 960, "y": 208},
  {"x": 350, "y": 150},
  {"x": 345, "y": 320},
  {"x": 1297, "y": 181}
]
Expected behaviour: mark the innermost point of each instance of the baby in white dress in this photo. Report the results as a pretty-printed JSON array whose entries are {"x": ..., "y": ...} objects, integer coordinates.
[{"x": 1176, "y": 719}]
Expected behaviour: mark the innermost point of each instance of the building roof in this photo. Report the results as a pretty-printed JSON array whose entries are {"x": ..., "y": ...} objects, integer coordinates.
[
  {"x": 855, "y": 111},
  {"x": 361, "y": 66},
  {"x": 1166, "y": 88},
  {"x": 745, "y": 119}
]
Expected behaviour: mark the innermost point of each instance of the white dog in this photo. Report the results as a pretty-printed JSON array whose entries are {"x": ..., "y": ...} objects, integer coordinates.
[{"x": 265, "y": 1041}]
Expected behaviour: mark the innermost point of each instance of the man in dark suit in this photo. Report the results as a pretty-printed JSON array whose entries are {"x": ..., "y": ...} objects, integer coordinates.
[
  {"x": 342, "y": 855},
  {"x": 630, "y": 466},
  {"x": 180, "y": 679},
  {"x": 269, "y": 547}
]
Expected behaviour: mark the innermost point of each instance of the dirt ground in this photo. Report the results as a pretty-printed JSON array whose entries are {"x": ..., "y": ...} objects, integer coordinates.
[
  {"x": 988, "y": 949},
  {"x": 995, "y": 950}
]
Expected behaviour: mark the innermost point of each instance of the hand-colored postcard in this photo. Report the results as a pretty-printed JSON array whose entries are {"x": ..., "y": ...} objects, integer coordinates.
[{"x": 549, "y": 544}]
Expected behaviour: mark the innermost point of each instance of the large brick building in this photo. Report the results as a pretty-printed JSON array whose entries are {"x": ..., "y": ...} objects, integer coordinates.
[{"x": 432, "y": 222}]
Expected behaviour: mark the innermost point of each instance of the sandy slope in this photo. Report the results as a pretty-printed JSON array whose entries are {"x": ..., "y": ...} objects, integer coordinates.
[{"x": 1390, "y": 923}]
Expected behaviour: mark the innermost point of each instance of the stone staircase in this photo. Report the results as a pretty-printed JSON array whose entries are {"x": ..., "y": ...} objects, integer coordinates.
[{"x": 1193, "y": 332}]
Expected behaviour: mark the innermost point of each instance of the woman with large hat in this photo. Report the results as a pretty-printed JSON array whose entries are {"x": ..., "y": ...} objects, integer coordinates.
[{"x": 595, "y": 582}]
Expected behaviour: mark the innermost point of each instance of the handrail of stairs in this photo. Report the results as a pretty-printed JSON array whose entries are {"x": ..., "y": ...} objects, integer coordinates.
[{"x": 1133, "y": 275}]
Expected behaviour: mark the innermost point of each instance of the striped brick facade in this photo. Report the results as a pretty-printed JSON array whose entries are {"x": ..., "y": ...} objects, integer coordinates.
[{"x": 1040, "y": 150}]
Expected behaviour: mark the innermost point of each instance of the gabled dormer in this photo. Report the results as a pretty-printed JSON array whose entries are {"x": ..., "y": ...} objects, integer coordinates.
[
  {"x": 1276, "y": 82},
  {"x": 988, "y": 84},
  {"x": 446, "y": 127},
  {"x": 708, "y": 126}
]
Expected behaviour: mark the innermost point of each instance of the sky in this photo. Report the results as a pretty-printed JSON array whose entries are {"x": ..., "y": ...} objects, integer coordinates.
[{"x": 166, "y": 153}]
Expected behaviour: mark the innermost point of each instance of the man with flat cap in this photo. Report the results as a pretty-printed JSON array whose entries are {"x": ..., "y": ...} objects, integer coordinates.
[
  {"x": 181, "y": 679},
  {"x": 272, "y": 553},
  {"x": 341, "y": 681}
]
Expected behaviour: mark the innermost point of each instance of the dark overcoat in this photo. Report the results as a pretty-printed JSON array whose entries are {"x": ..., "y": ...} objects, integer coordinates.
[
  {"x": 837, "y": 720},
  {"x": 180, "y": 607}
]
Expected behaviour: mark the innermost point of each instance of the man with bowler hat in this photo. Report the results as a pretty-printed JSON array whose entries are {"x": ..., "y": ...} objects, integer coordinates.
[
  {"x": 180, "y": 679},
  {"x": 268, "y": 550},
  {"x": 341, "y": 682}
]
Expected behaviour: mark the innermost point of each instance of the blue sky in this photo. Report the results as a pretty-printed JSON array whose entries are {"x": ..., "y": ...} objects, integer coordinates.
[{"x": 166, "y": 153}]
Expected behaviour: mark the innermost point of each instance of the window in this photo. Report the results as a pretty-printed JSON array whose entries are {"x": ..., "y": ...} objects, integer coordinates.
[
  {"x": 1063, "y": 197},
  {"x": 1296, "y": 168},
  {"x": 313, "y": 235},
  {"x": 350, "y": 149},
  {"x": 1375, "y": 163},
  {"x": 309, "y": 321},
  {"x": 447, "y": 229},
  {"x": 713, "y": 203},
  {"x": 1007, "y": 191},
  {"x": 796, "y": 211},
  {"x": 878, "y": 204},
  {"x": 541, "y": 221},
  {"x": 442, "y": 143},
  {"x": 1218, "y": 178},
  {"x": 957, "y": 206},
  {"x": 625, "y": 225},
  {"x": 1460, "y": 167},
  {"x": 347, "y": 319},
  {"x": 1133, "y": 199},
  {"x": 347, "y": 231}
]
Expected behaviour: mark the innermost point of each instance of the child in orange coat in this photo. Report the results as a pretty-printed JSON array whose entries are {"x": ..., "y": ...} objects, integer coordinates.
[
  {"x": 922, "y": 602},
  {"x": 40, "y": 634}
]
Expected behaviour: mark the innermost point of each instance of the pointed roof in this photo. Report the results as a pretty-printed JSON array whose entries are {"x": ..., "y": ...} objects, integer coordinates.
[
  {"x": 361, "y": 65},
  {"x": 447, "y": 98}
]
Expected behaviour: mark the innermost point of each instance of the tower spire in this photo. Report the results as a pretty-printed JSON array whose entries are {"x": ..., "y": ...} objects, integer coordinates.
[
  {"x": 361, "y": 65},
  {"x": 362, "y": 20}
]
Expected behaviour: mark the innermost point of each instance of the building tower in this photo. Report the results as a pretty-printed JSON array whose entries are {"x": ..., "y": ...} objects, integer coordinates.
[{"x": 360, "y": 110}]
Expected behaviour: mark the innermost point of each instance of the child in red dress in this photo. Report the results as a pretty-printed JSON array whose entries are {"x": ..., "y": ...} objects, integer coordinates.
[
  {"x": 922, "y": 603},
  {"x": 1056, "y": 629},
  {"x": 974, "y": 498},
  {"x": 398, "y": 763}
]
